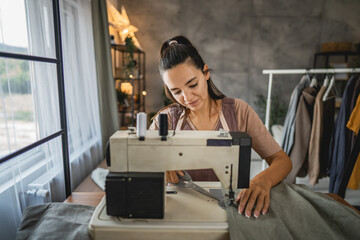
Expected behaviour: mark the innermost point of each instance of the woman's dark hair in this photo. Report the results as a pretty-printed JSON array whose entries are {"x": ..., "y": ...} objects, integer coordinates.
[{"x": 178, "y": 50}]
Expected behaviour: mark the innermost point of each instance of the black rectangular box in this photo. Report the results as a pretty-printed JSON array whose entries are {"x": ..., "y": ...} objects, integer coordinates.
[{"x": 135, "y": 195}]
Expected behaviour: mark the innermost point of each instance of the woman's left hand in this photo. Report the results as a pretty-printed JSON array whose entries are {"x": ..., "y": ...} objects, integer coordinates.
[
  {"x": 259, "y": 190},
  {"x": 259, "y": 193}
]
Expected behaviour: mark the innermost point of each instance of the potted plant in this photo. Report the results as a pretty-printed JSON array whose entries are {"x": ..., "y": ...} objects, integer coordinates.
[{"x": 122, "y": 98}]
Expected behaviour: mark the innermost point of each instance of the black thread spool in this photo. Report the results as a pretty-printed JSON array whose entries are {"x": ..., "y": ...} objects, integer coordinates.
[{"x": 163, "y": 126}]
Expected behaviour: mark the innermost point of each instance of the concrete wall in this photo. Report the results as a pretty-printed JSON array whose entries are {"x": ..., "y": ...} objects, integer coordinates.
[{"x": 239, "y": 38}]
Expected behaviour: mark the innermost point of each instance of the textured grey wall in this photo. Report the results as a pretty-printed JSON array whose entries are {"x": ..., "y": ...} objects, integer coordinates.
[{"x": 239, "y": 38}]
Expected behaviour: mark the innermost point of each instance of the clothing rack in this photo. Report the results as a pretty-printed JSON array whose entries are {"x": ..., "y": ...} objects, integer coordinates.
[
  {"x": 272, "y": 72},
  {"x": 355, "y": 151}
]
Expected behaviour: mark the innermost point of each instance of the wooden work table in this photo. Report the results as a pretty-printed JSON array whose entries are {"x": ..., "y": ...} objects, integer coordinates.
[
  {"x": 86, "y": 198},
  {"x": 88, "y": 193}
]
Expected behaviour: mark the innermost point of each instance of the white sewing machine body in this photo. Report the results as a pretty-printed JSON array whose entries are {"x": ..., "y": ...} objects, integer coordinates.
[
  {"x": 136, "y": 204},
  {"x": 183, "y": 151}
]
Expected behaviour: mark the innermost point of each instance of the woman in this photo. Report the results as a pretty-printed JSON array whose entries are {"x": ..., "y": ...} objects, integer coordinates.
[{"x": 199, "y": 105}]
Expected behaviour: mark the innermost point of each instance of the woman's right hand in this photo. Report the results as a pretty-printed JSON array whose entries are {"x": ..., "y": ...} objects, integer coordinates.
[{"x": 172, "y": 176}]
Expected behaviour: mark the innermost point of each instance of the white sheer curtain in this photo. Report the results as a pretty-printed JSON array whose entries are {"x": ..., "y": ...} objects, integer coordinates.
[
  {"x": 42, "y": 167},
  {"x": 85, "y": 144}
]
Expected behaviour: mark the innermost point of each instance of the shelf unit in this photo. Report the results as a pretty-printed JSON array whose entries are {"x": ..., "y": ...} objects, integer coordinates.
[
  {"x": 336, "y": 57},
  {"x": 136, "y": 79},
  {"x": 328, "y": 55}
]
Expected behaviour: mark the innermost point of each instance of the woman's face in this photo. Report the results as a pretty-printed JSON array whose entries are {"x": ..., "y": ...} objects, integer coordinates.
[{"x": 188, "y": 85}]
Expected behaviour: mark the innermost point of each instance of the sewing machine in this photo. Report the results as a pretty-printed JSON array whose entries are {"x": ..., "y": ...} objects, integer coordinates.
[{"x": 139, "y": 204}]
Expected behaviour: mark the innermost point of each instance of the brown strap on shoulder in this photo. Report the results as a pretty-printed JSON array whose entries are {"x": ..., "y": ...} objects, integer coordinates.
[{"x": 228, "y": 108}]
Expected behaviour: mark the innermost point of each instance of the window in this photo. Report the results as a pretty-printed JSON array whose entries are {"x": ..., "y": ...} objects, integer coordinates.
[{"x": 32, "y": 117}]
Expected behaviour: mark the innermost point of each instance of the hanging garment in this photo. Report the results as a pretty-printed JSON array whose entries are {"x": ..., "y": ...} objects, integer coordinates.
[
  {"x": 322, "y": 125},
  {"x": 316, "y": 138},
  {"x": 289, "y": 124},
  {"x": 339, "y": 140},
  {"x": 303, "y": 120},
  {"x": 356, "y": 92},
  {"x": 354, "y": 125},
  {"x": 328, "y": 127}
]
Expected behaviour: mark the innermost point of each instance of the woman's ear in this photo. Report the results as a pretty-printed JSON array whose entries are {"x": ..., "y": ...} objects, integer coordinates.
[{"x": 206, "y": 72}]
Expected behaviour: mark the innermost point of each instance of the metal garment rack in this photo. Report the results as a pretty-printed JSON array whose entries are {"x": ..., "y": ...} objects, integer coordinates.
[
  {"x": 354, "y": 152},
  {"x": 272, "y": 72}
]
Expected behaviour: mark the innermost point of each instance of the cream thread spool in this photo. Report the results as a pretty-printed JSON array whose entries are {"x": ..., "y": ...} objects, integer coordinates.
[{"x": 141, "y": 122}]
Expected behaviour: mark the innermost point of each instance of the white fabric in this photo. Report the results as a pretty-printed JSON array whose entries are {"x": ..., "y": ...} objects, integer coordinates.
[
  {"x": 99, "y": 177},
  {"x": 276, "y": 130},
  {"x": 85, "y": 144}
]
